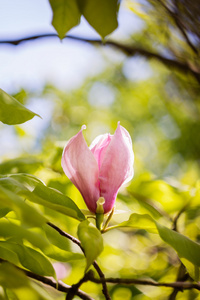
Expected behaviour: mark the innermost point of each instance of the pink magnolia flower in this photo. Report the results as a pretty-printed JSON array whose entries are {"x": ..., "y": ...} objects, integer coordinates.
[{"x": 100, "y": 170}]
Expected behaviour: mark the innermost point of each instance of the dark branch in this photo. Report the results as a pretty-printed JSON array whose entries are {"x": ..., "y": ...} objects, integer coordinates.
[
  {"x": 129, "y": 50},
  {"x": 95, "y": 265},
  {"x": 179, "y": 285},
  {"x": 178, "y": 22},
  {"x": 58, "y": 286}
]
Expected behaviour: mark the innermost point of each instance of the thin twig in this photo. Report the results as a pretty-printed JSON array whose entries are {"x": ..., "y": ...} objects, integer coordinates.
[
  {"x": 129, "y": 50},
  {"x": 179, "y": 285},
  {"x": 95, "y": 265},
  {"x": 60, "y": 286},
  {"x": 178, "y": 23}
]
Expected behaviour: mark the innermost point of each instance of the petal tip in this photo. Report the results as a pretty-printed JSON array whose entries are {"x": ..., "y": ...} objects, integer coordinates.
[{"x": 83, "y": 127}]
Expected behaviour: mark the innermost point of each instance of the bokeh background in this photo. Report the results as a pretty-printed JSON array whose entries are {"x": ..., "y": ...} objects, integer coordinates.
[{"x": 71, "y": 83}]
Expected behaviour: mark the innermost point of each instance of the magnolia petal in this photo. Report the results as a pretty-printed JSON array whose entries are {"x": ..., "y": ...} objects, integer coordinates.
[
  {"x": 117, "y": 166},
  {"x": 99, "y": 147},
  {"x": 81, "y": 168}
]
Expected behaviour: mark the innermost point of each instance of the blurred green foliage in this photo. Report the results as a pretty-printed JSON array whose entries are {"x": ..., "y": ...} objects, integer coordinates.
[{"x": 161, "y": 111}]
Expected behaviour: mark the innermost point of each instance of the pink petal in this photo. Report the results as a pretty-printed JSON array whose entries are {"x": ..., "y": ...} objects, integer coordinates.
[
  {"x": 99, "y": 147},
  {"x": 81, "y": 168},
  {"x": 117, "y": 166}
]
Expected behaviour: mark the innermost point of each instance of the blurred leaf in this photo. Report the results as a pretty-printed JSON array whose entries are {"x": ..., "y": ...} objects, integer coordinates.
[
  {"x": 4, "y": 211},
  {"x": 101, "y": 14},
  {"x": 12, "y": 111},
  {"x": 138, "y": 221},
  {"x": 66, "y": 15},
  {"x": 9, "y": 230},
  {"x": 61, "y": 255},
  {"x": 56, "y": 238},
  {"x": 11, "y": 277},
  {"x": 20, "y": 165},
  {"x": 91, "y": 241},
  {"x": 29, "y": 215},
  {"x": 185, "y": 247},
  {"x": 31, "y": 259},
  {"x": 193, "y": 270}
]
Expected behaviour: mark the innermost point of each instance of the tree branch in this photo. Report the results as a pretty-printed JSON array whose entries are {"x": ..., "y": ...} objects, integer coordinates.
[
  {"x": 178, "y": 22},
  {"x": 58, "y": 286},
  {"x": 179, "y": 285},
  {"x": 129, "y": 50},
  {"x": 95, "y": 265}
]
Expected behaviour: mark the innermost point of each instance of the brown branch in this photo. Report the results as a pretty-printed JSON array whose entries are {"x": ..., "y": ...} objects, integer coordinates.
[
  {"x": 58, "y": 286},
  {"x": 95, "y": 265},
  {"x": 179, "y": 285},
  {"x": 179, "y": 25},
  {"x": 129, "y": 50}
]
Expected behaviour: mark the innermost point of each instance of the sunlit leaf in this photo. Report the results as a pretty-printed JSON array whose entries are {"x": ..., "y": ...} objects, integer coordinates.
[
  {"x": 10, "y": 230},
  {"x": 39, "y": 193},
  {"x": 91, "y": 241},
  {"x": 31, "y": 259},
  {"x": 185, "y": 247},
  {"x": 137, "y": 221},
  {"x": 61, "y": 255},
  {"x": 4, "y": 211},
  {"x": 11, "y": 277},
  {"x": 12, "y": 111},
  {"x": 66, "y": 15},
  {"x": 56, "y": 238},
  {"x": 101, "y": 14},
  {"x": 20, "y": 165},
  {"x": 11, "y": 200},
  {"x": 55, "y": 200}
]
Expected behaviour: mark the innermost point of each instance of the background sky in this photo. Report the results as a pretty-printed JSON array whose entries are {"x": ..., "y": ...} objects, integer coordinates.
[{"x": 65, "y": 64}]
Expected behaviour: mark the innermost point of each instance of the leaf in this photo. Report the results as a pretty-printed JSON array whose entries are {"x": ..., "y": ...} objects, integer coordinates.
[
  {"x": 66, "y": 15},
  {"x": 138, "y": 221},
  {"x": 91, "y": 241},
  {"x": 55, "y": 200},
  {"x": 20, "y": 165},
  {"x": 185, "y": 247},
  {"x": 11, "y": 277},
  {"x": 39, "y": 193},
  {"x": 56, "y": 238},
  {"x": 31, "y": 259},
  {"x": 8, "y": 199},
  {"x": 13, "y": 112},
  {"x": 59, "y": 246},
  {"x": 101, "y": 14},
  {"x": 10, "y": 230},
  {"x": 61, "y": 255},
  {"x": 4, "y": 211}
]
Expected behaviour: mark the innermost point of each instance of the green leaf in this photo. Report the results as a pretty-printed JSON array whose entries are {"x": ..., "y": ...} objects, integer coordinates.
[
  {"x": 66, "y": 15},
  {"x": 11, "y": 277},
  {"x": 39, "y": 193},
  {"x": 30, "y": 259},
  {"x": 185, "y": 247},
  {"x": 91, "y": 241},
  {"x": 13, "y": 112},
  {"x": 11, "y": 230},
  {"x": 61, "y": 255},
  {"x": 55, "y": 200},
  {"x": 56, "y": 238},
  {"x": 101, "y": 14},
  {"x": 20, "y": 165},
  {"x": 4, "y": 211},
  {"x": 138, "y": 221},
  {"x": 59, "y": 246},
  {"x": 8, "y": 199}
]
